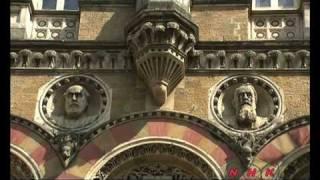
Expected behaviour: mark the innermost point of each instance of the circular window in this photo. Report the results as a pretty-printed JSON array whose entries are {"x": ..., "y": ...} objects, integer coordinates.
[
  {"x": 275, "y": 23},
  {"x": 57, "y": 24},
  {"x": 69, "y": 35},
  {"x": 259, "y": 23},
  {"x": 289, "y": 23},
  {"x": 55, "y": 35},
  {"x": 40, "y": 35},
  {"x": 42, "y": 23},
  {"x": 290, "y": 35},
  {"x": 260, "y": 35},
  {"x": 70, "y": 24},
  {"x": 275, "y": 35}
]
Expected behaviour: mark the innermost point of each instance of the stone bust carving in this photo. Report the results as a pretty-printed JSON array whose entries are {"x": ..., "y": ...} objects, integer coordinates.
[
  {"x": 245, "y": 103},
  {"x": 75, "y": 101}
]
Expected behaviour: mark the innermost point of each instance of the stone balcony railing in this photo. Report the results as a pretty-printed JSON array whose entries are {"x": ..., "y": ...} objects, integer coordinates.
[{"x": 209, "y": 56}]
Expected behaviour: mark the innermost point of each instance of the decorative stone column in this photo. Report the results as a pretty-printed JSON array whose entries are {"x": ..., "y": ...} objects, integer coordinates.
[{"x": 160, "y": 38}]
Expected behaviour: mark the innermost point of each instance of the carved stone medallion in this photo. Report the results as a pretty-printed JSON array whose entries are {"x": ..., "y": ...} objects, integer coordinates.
[
  {"x": 245, "y": 103},
  {"x": 74, "y": 103}
]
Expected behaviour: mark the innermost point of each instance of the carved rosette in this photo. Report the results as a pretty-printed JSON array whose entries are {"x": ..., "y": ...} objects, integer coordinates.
[{"x": 160, "y": 50}]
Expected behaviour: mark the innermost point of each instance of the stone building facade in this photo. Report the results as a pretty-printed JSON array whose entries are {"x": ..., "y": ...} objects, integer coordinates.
[{"x": 160, "y": 89}]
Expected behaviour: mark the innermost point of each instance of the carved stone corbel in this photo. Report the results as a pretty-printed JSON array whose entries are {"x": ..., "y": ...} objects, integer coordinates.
[
  {"x": 76, "y": 56},
  {"x": 13, "y": 59},
  {"x": 261, "y": 58},
  {"x": 160, "y": 49},
  {"x": 25, "y": 55},
  {"x": 289, "y": 57},
  {"x": 303, "y": 55},
  {"x": 222, "y": 57},
  {"x": 274, "y": 55},
  {"x": 51, "y": 56},
  {"x": 250, "y": 55}
]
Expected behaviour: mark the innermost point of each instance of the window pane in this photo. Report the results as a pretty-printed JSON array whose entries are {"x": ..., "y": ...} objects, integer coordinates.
[
  {"x": 263, "y": 3},
  {"x": 49, "y": 4},
  {"x": 286, "y": 3},
  {"x": 71, "y": 5}
]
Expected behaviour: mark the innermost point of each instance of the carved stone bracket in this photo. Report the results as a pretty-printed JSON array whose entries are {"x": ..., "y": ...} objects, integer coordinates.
[{"x": 160, "y": 44}]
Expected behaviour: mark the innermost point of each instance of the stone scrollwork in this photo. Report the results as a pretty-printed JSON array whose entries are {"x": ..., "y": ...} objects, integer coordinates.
[
  {"x": 74, "y": 102},
  {"x": 246, "y": 103}
]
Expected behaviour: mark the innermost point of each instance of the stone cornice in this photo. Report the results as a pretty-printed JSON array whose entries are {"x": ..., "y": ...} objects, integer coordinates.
[
  {"x": 201, "y": 45},
  {"x": 219, "y": 57},
  {"x": 254, "y": 45}
]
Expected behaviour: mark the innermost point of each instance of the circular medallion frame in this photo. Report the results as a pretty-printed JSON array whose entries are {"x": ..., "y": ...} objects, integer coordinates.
[
  {"x": 98, "y": 106},
  {"x": 270, "y": 104}
]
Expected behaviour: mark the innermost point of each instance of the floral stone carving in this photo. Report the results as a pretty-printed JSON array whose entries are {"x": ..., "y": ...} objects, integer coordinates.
[{"x": 246, "y": 103}]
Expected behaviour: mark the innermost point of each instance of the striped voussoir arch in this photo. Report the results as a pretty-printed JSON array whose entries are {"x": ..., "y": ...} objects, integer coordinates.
[
  {"x": 156, "y": 127},
  {"x": 283, "y": 144},
  {"x": 37, "y": 147}
]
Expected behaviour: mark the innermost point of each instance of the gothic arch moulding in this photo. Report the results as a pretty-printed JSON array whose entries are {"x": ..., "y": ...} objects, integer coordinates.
[
  {"x": 157, "y": 157},
  {"x": 245, "y": 103},
  {"x": 22, "y": 165},
  {"x": 73, "y": 102}
]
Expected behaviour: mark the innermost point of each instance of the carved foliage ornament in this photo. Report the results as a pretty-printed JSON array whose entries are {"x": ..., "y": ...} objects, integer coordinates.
[
  {"x": 246, "y": 103},
  {"x": 75, "y": 103}
]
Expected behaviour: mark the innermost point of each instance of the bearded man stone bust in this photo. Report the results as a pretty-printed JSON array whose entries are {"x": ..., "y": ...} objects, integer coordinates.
[
  {"x": 75, "y": 101},
  {"x": 245, "y": 103},
  {"x": 75, "y": 112}
]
